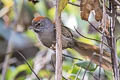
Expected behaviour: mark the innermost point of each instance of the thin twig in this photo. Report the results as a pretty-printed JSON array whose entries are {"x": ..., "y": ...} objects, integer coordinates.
[
  {"x": 64, "y": 77},
  {"x": 91, "y": 38},
  {"x": 5, "y": 65},
  {"x": 74, "y": 4},
  {"x": 94, "y": 27},
  {"x": 101, "y": 55},
  {"x": 102, "y": 37},
  {"x": 93, "y": 76},
  {"x": 72, "y": 57},
  {"x": 112, "y": 40},
  {"x": 28, "y": 64},
  {"x": 98, "y": 30},
  {"x": 7, "y": 57},
  {"x": 117, "y": 2}
]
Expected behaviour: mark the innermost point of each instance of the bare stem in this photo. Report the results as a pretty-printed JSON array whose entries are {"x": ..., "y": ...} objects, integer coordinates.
[
  {"x": 58, "y": 71},
  {"x": 112, "y": 41}
]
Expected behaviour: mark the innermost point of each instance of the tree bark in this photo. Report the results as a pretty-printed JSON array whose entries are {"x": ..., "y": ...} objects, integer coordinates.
[{"x": 58, "y": 71}]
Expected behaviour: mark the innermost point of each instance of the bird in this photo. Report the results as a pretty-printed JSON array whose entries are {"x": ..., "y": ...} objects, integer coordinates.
[{"x": 46, "y": 32}]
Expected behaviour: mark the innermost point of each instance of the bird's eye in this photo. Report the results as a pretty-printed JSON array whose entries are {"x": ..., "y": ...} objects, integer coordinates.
[{"x": 40, "y": 24}]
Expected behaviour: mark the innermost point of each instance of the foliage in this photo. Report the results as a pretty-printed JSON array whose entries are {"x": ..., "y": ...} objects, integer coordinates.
[{"x": 15, "y": 18}]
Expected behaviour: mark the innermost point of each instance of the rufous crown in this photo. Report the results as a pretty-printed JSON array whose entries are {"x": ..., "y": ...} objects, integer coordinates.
[{"x": 38, "y": 18}]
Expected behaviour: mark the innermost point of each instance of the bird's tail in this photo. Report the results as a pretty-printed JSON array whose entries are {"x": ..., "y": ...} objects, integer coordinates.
[{"x": 93, "y": 53}]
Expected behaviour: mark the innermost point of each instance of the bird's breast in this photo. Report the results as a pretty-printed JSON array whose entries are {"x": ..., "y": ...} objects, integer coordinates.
[{"x": 47, "y": 39}]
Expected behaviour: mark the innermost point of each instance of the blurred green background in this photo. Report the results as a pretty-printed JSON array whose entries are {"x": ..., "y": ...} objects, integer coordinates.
[{"x": 16, "y": 17}]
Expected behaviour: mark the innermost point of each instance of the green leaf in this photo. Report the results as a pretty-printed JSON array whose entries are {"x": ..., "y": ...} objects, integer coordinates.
[
  {"x": 85, "y": 64},
  {"x": 67, "y": 65},
  {"x": 109, "y": 75},
  {"x": 8, "y": 74},
  {"x": 73, "y": 0},
  {"x": 74, "y": 70},
  {"x": 61, "y": 5},
  {"x": 13, "y": 73}
]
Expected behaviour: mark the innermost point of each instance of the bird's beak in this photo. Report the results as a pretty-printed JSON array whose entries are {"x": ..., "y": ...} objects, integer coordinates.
[{"x": 34, "y": 29}]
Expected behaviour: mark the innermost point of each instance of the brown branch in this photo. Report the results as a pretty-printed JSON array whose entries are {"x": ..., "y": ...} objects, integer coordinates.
[
  {"x": 112, "y": 41},
  {"x": 102, "y": 37},
  {"x": 58, "y": 69}
]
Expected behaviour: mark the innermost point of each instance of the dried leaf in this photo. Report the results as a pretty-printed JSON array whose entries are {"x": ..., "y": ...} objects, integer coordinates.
[
  {"x": 98, "y": 11},
  {"x": 89, "y": 5},
  {"x": 98, "y": 14}
]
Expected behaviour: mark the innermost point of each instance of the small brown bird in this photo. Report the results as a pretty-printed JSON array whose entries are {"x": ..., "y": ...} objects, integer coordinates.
[{"x": 46, "y": 32}]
